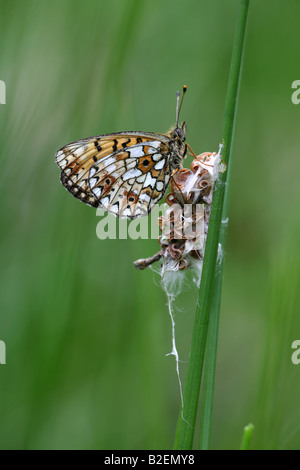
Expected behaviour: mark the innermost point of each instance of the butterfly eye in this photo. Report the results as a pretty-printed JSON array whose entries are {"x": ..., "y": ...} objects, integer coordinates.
[{"x": 180, "y": 133}]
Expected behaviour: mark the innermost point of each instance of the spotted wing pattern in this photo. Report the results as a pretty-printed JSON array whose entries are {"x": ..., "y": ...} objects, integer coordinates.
[{"x": 125, "y": 173}]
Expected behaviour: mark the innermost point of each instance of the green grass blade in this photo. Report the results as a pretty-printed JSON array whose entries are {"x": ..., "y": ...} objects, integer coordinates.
[
  {"x": 197, "y": 352},
  {"x": 213, "y": 327},
  {"x": 247, "y": 436}
]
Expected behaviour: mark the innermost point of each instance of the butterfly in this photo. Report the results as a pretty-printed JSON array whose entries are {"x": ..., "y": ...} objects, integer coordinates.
[{"x": 125, "y": 173}]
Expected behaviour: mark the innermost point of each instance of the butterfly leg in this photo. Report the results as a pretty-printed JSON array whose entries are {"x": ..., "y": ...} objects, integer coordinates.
[{"x": 192, "y": 153}]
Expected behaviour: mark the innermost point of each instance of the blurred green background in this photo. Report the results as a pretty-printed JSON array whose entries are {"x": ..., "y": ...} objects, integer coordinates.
[{"x": 86, "y": 334}]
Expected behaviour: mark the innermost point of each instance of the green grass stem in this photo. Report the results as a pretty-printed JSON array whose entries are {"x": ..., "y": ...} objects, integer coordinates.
[
  {"x": 185, "y": 434},
  {"x": 247, "y": 436}
]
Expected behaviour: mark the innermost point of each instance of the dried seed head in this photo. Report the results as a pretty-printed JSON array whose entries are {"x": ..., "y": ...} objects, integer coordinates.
[
  {"x": 179, "y": 179},
  {"x": 169, "y": 199}
]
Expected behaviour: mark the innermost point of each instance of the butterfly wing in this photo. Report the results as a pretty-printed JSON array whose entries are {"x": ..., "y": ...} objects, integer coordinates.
[
  {"x": 131, "y": 181},
  {"x": 125, "y": 173}
]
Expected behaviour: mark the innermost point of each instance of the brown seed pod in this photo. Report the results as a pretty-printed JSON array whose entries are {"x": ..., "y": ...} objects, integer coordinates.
[
  {"x": 205, "y": 187},
  {"x": 195, "y": 165},
  {"x": 179, "y": 179},
  {"x": 175, "y": 250},
  {"x": 170, "y": 199},
  {"x": 182, "y": 264}
]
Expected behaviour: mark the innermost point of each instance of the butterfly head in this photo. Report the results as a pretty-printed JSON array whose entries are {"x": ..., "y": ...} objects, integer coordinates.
[
  {"x": 179, "y": 132},
  {"x": 177, "y": 136}
]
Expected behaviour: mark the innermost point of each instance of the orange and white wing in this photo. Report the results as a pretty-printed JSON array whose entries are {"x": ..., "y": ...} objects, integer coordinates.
[{"x": 125, "y": 173}]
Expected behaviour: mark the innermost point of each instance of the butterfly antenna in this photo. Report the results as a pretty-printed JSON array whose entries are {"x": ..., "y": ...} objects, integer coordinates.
[{"x": 178, "y": 106}]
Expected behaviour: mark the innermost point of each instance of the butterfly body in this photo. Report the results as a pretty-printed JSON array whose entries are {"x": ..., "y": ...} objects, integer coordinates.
[{"x": 125, "y": 173}]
